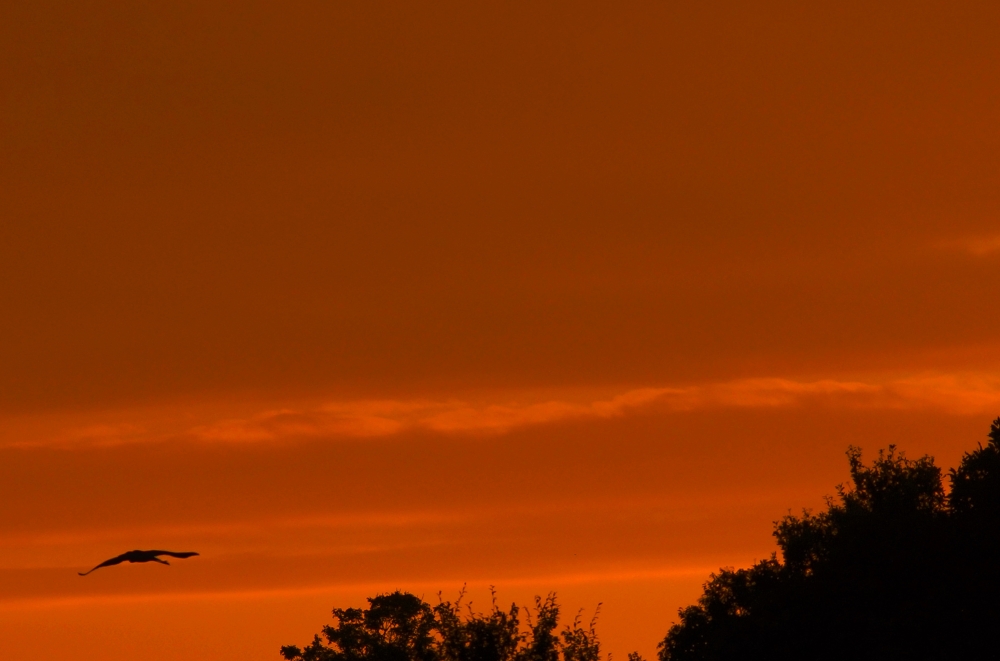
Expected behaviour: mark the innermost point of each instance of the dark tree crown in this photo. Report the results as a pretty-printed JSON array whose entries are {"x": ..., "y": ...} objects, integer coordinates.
[
  {"x": 894, "y": 568},
  {"x": 402, "y": 627}
]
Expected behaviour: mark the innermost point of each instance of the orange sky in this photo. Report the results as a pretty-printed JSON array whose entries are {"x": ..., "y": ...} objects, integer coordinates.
[{"x": 357, "y": 296}]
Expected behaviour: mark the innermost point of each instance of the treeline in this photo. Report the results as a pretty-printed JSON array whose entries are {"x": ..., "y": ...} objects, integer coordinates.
[
  {"x": 896, "y": 567},
  {"x": 403, "y": 627}
]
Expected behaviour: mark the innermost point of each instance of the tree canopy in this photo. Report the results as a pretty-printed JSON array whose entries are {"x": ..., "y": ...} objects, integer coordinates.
[
  {"x": 402, "y": 627},
  {"x": 896, "y": 567}
]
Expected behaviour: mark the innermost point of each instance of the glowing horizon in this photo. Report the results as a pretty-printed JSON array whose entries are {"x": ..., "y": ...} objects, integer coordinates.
[{"x": 354, "y": 296}]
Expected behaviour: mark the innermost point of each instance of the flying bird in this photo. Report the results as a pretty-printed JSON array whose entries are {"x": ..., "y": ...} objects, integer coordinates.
[{"x": 141, "y": 556}]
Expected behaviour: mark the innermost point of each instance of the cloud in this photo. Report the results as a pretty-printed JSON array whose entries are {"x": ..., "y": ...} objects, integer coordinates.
[
  {"x": 957, "y": 394},
  {"x": 370, "y": 418},
  {"x": 537, "y": 581},
  {"x": 976, "y": 245},
  {"x": 232, "y": 529},
  {"x": 960, "y": 394}
]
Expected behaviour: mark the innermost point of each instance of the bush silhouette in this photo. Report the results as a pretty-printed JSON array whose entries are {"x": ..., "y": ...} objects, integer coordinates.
[
  {"x": 895, "y": 568},
  {"x": 402, "y": 627}
]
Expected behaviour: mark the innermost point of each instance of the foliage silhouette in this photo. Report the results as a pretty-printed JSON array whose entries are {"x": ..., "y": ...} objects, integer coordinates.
[
  {"x": 402, "y": 627},
  {"x": 895, "y": 568}
]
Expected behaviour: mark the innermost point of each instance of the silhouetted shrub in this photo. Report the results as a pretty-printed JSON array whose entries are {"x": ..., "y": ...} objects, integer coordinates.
[
  {"x": 402, "y": 627},
  {"x": 893, "y": 569}
]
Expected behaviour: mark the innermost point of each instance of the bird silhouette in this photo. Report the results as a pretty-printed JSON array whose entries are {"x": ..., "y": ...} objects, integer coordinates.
[{"x": 141, "y": 556}]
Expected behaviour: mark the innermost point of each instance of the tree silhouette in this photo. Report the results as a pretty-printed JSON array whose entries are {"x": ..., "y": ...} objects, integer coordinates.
[
  {"x": 402, "y": 627},
  {"x": 895, "y": 568}
]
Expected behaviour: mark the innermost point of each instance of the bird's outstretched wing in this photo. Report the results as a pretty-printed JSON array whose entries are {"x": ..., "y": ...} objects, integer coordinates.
[
  {"x": 107, "y": 563},
  {"x": 173, "y": 554}
]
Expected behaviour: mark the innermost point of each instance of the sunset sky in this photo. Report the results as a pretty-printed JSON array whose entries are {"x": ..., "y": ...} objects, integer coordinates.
[{"x": 359, "y": 296}]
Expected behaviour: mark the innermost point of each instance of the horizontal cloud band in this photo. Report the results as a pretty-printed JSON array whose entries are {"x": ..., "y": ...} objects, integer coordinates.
[{"x": 961, "y": 394}]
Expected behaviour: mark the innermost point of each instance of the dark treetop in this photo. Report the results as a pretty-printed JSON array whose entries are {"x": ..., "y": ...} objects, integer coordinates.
[
  {"x": 402, "y": 627},
  {"x": 895, "y": 568}
]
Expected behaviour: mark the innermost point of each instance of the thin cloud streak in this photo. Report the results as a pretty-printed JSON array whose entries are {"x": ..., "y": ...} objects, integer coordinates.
[
  {"x": 976, "y": 245},
  {"x": 368, "y": 587},
  {"x": 680, "y": 509},
  {"x": 958, "y": 394},
  {"x": 362, "y": 520}
]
